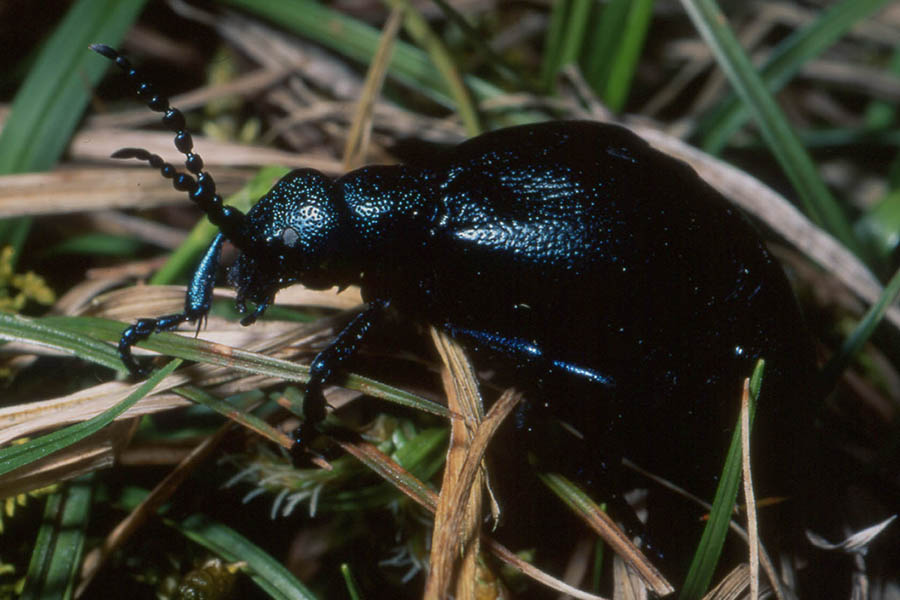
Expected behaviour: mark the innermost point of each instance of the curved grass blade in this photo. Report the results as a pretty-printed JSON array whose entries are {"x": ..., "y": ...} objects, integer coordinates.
[
  {"x": 417, "y": 27},
  {"x": 198, "y": 350},
  {"x": 53, "y": 333},
  {"x": 785, "y": 61},
  {"x": 818, "y": 202},
  {"x": 852, "y": 345},
  {"x": 267, "y": 572},
  {"x": 13, "y": 457},
  {"x": 49, "y": 104},
  {"x": 359, "y": 41}
]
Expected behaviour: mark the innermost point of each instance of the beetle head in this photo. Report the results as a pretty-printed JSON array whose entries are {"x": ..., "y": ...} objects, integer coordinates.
[{"x": 294, "y": 234}]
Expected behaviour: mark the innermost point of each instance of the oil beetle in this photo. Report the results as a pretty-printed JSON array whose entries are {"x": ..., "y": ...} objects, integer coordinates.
[{"x": 628, "y": 295}]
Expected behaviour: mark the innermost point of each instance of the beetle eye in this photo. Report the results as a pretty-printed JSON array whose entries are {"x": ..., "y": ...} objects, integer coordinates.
[{"x": 290, "y": 236}]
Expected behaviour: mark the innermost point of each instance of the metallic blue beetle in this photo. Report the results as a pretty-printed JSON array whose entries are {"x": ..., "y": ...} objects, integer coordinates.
[{"x": 627, "y": 294}]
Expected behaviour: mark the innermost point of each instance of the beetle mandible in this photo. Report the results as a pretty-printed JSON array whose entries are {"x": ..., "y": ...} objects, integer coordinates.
[{"x": 629, "y": 293}]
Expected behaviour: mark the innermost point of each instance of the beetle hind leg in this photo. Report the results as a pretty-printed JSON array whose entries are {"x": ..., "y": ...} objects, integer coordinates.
[{"x": 323, "y": 370}]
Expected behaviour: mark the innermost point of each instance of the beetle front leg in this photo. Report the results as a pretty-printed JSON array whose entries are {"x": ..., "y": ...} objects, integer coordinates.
[
  {"x": 196, "y": 306},
  {"x": 325, "y": 367}
]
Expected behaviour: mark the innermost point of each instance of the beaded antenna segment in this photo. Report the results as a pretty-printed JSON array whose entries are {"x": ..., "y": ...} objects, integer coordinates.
[{"x": 201, "y": 190}]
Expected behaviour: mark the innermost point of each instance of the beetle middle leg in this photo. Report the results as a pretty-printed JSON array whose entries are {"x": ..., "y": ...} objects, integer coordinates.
[{"x": 325, "y": 368}]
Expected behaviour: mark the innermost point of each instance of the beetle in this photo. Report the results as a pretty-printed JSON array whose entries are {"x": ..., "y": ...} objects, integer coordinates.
[{"x": 629, "y": 295}]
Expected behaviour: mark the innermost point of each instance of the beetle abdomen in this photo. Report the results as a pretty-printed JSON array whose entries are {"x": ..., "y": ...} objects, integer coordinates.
[{"x": 575, "y": 248}]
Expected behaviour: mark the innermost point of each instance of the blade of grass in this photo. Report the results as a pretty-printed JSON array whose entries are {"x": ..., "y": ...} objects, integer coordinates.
[
  {"x": 784, "y": 62},
  {"x": 600, "y": 53},
  {"x": 14, "y": 457},
  {"x": 573, "y": 35},
  {"x": 500, "y": 65},
  {"x": 417, "y": 28},
  {"x": 705, "y": 559},
  {"x": 207, "y": 352},
  {"x": 565, "y": 38},
  {"x": 350, "y": 581},
  {"x": 49, "y": 104},
  {"x": 610, "y": 58},
  {"x": 54, "y": 334},
  {"x": 358, "y": 41},
  {"x": 588, "y": 511},
  {"x": 626, "y": 57},
  {"x": 56, "y": 557},
  {"x": 854, "y": 343},
  {"x": 783, "y": 143},
  {"x": 265, "y": 570},
  {"x": 358, "y": 137},
  {"x": 553, "y": 43},
  {"x": 237, "y": 414}
]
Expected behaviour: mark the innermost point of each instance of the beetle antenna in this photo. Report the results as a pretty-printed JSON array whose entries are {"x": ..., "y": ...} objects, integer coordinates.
[{"x": 201, "y": 190}]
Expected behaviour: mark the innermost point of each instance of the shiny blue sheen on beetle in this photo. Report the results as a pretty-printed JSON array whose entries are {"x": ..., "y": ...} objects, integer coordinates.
[{"x": 629, "y": 297}]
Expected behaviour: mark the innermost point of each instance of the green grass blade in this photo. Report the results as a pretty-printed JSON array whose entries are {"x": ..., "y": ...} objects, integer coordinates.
[
  {"x": 56, "y": 559},
  {"x": 198, "y": 350},
  {"x": 709, "y": 549},
  {"x": 604, "y": 42},
  {"x": 351, "y": 583},
  {"x": 13, "y": 457},
  {"x": 238, "y": 414},
  {"x": 785, "y": 61},
  {"x": 575, "y": 31},
  {"x": 626, "y": 58},
  {"x": 267, "y": 572},
  {"x": 553, "y": 42},
  {"x": 780, "y": 138},
  {"x": 565, "y": 37},
  {"x": 64, "y": 334},
  {"x": 500, "y": 65},
  {"x": 854, "y": 343},
  {"x": 49, "y": 104},
  {"x": 96, "y": 244},
  {"x": 358, "y": 41},
  {"x": 417, "y": 28}
]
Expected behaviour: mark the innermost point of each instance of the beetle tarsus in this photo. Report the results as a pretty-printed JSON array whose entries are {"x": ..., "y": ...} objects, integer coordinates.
[{"x": 139, "y": 332}]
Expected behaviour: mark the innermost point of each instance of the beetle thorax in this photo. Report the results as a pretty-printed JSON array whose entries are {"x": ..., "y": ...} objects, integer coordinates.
[{"x": 387, "y": 208}]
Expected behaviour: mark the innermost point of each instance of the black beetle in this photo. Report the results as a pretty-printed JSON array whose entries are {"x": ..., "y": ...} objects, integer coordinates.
[{"x": 629, "y": 295}]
